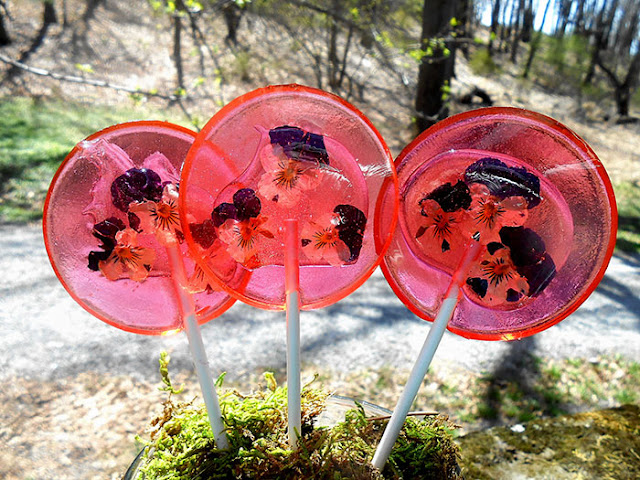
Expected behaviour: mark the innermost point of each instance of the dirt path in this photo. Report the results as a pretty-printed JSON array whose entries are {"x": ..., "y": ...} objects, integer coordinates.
[{"x": 77, "y": 391}]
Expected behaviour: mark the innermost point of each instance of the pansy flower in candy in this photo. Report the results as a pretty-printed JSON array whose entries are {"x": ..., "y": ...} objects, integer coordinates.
[
  {"x": 321, "y": 242},
  {"x": 240, "y": 226},
  {"x": 160, "y": 217},
  {"x": 335, "y": 238},
  {"x": 501, "y": 196},
  {"x": 127, "y": 259},
  {"x": 104, "y": 231},
  {"x": 445, "y": 215},
  {"x": 509, "y": 271},
  {"x": 494, "y": 278},
  {"x": 293, "y": 163}
]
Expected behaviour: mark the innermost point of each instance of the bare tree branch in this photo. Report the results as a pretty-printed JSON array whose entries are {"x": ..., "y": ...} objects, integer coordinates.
[{"x": 84, "y": 81}]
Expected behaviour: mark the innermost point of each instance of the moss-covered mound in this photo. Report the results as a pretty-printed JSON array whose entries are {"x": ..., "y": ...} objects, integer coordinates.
[
  {"x": 598, "y": 445},
  {"x": 180, "y": 443}
]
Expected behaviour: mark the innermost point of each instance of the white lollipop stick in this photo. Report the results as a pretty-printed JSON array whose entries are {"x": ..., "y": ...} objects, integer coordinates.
[
  {"x": 198, "y": 353},
  {"x": 421, "y": 366},
  {"x": 292, "y": 287}
]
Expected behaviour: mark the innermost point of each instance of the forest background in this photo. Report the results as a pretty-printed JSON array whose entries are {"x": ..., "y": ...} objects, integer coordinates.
[{"x": 71, "y": 67}]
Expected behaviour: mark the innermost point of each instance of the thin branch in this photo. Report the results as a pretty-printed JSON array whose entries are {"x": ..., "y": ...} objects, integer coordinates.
[{"x": 84, "y": 81}]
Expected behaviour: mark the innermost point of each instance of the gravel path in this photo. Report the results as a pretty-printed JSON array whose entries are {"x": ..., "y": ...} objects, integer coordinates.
[{"x": 47, "y": 336}]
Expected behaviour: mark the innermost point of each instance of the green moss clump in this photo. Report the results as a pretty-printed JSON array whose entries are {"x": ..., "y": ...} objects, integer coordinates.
[{"x": 181, "y": 445}]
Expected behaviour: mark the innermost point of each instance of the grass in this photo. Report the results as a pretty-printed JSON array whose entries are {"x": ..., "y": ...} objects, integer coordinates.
[
  {"x": 35, "y": 136},
  {"x": 628, "y": 199},
  {"x": 541, "y": 388}
]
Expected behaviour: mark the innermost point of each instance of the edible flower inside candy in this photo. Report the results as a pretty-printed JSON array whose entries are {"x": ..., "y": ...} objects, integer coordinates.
[
  {"x": 494, "y": 278},
  {"x": 240, "y": 225},
  {"x": 128, "y": 259},
  {"x": 105, "y": 231},
  {"x": 445, "y": 211},
  {"x": 151, "y": 208},
  {"x": 490, "y": 202},
  {"x": 335, "y": 238},
  {"x": 490, "y": 212},
  {"x": 160, "y": 217},
  {"x": 293, "y": 164},
  {"x": 519, "y": 266},
  {"x": 134, "y": 186}
]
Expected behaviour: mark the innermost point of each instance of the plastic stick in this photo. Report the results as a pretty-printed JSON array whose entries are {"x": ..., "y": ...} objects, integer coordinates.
[
  {"x": 292, "y": 285},
  {"x": 198, "y": 353},
  {"x": 423, "y": 361}
]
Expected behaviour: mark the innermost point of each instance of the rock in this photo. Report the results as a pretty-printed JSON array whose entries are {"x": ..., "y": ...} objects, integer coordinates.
[{"x": 596, "y": 445}]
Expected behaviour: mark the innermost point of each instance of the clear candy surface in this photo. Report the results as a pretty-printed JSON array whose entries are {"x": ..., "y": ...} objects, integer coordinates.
[
  {"x": 288, "y": 152},
  {"x": 111, "y": 214},
  {"x": 534, "y": 196}
]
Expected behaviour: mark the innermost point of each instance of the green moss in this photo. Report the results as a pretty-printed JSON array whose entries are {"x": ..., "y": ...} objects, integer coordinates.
[
  {"x": 180, "y": 444},
  {"x": 595, "y": 445}
]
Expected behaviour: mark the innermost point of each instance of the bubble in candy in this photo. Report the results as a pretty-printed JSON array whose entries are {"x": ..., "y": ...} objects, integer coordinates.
[
  {"x": 109, "y": 217},
  {"x": 534, "y": 196},
  {"x": 279, "y": 153}
]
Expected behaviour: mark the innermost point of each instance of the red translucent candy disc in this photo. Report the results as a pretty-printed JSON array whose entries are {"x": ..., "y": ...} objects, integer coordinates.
[
  {"x": 531, "y": 192},
  {"x": 110, "y": 217},
  {"x": 287, "y": 152}
]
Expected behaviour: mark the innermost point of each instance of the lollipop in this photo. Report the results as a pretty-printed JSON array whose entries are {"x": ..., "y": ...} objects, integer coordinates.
[
  {"x": 507, "y": 223},
  {"x": 113, "y": 234},
  {"x": 294, "y": 156}
]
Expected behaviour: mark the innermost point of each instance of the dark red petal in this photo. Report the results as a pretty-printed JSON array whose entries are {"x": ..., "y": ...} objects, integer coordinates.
[
  {"x": 247, "y": 203},
  {"x": 204, "y": 234},
  {"x": 478, "y": 285},
  {"x": 451, "y": 197},
  {"x": 351, "y": 217},
  {"x": 223, "y": 212}
]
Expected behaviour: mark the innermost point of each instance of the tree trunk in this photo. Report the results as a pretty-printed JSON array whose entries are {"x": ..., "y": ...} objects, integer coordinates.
[
  {"x": 495, "y": 20},
  {"x": 435, "y": 72},
  {"x": 232, "y": 15},
  {"x": 601, "y": 37},
  {"x": 517, "y": 31},
  {"x": 177, "y": 50},
  {"x": 5, "y": 39},
  {"x": 535, "y": 43}
]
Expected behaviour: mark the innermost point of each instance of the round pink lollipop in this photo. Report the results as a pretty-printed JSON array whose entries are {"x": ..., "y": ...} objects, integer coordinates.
[
  {"x": 507, "y": 224},
  {"x": 114, "y": 237},
  {"x": 286, "y": 182},
  {"x": 532, "y": 193},
  {"x": 111, "y": 212},
  {"x": 288, "y": 153}
]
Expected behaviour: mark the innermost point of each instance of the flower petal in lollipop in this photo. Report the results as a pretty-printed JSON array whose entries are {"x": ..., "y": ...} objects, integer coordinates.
[
  {"x": 507, "y": 224},
  {"x": 114, "y": 237},
  {"x": 298, "y": 216}
]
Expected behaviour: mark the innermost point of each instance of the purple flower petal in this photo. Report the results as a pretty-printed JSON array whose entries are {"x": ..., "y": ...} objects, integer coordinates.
[
  {"x": 450, "y": 197},
  {"x": 504, "y": 181},
  {"x": 351, "y": 227},
  {"x": 104, "y": 231},
  {"x": 247, "y": 203},
  {"x": 223, "y": 212},
  {"x": 529, "y": 255},
  {"x": 299, "y": 145},
  {"x": 136, "y": 185}
]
